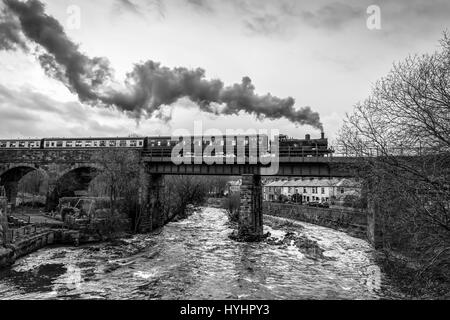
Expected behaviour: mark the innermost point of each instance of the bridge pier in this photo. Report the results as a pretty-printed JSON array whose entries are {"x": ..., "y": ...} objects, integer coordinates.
[
  {"x": 374, "y": 224},
  {"x": 250, "y": 213},
  {"x": 151, "y": 187},
  {"x": 11, "y": 189},
  {"x": 51, "y": 198}
]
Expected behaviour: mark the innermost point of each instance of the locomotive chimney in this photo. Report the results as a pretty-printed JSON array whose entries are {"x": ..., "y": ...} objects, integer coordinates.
[
  {"x": 307, "y": 137},
  {"x": 322, "y": 135}
]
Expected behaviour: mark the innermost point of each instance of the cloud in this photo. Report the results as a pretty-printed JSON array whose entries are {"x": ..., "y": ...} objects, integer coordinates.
[
  {"x": 202, "y": 5},
  {"x": 142, "y": 9},
  {"x": 32, "y": 104},
  {"x": 28, "y": 113},
  {"x": 333, "y": 16},
  {"x": 149, "y": 86},
  {"x": 129, "y": 6}
]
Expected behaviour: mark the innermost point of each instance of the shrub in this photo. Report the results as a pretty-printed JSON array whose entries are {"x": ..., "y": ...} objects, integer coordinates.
[{"x": 231, "y": 204}]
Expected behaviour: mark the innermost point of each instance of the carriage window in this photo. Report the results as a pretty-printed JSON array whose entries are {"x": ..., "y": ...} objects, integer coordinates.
[
  {"x": 47, "y": 144},
  {"x": 88, "y": 144},
  {"x": 103, "y": 143},
  {"x": 59, "y": 144},
  {"x": 123, "y": 143},
  {"x": 95, "y": 144},
  {"x": 112, "y": 143},
  {"x": 21, "y": 144},
  {"x": 2, "y": 144},
  {"x": 141, "y": 143},
  {"x": 133, "y": 143},
  {"x": 69, "y": 144},
  {"x": 78, "y": 143}
]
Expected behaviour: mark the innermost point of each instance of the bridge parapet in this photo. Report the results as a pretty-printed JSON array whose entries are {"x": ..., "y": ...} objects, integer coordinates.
[{"x": 44, "y": 156}]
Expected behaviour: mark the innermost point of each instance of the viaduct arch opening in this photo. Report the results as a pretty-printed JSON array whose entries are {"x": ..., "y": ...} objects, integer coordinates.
[
  {"x": 70, "y": 182},
  {"x": 10, "y": 178}
]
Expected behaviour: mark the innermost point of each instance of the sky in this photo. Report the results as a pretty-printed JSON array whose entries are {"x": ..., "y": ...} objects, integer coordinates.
[{"x": 321, "y": 53}]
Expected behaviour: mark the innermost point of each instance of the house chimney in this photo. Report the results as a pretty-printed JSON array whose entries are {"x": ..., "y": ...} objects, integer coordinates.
[
  {"x": 322, "y": 135},
  {"x": 307, "y": 137}
]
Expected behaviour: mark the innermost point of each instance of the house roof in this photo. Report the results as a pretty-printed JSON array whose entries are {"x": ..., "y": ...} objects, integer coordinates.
[
  {"x": 348, "y": 183},
  {"x": 235, "y": 183},
  {"x": 279, "y": 183},
  {"x": 313, "y": 183}
]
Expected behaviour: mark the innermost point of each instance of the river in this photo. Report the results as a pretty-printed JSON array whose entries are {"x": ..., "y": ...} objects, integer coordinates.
[{"x": 195, "y": 259}]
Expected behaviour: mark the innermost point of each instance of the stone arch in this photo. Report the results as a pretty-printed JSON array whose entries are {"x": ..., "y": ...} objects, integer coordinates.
[
  {"x": 10, "y": 177},
  {"x": 69, "y": 181}
]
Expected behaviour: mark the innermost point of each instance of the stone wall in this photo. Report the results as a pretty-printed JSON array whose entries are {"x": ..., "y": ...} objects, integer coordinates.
[
  {"x": 352, "y": 222},
  {"x": 250, "y": 213}
]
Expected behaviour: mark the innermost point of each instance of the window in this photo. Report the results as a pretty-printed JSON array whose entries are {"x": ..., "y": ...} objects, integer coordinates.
[
  {"x": 88, "y": 144},
  {"x": 133, "y": 143},
  {"x": 59, "y": 144},
  {"x": 112, "y": 143},
  {"x": 22, "y": 144},
  {"x": 78, "y": 143},
  {"x": 342, "y": 190},
  {"x": 2, "y": 144},
  {"x": 123, "y": 143},
  {"x": 305, "y": 190},
  {"x": 314, "y": 190},
  {"x": 323, "y": 190}
]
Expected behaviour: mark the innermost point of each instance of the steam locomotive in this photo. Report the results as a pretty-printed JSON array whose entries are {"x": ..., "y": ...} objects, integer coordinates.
[{"x": 162, "y": 146}]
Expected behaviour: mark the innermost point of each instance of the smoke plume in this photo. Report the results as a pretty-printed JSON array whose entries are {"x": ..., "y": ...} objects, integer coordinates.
[{"x": 148, "y": 87}]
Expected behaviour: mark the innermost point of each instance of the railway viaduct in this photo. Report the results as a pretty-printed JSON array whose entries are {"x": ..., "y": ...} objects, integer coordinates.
[{"x": 73, "y": 169}]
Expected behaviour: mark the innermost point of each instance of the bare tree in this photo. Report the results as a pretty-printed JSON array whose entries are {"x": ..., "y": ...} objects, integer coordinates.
[
  {"x": 401, "y": 135},
  {"x": 181, "y": 191},
  {"x": 118, "y": 178}
]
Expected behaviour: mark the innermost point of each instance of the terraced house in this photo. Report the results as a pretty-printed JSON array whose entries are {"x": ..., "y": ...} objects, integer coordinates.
[{"x": 311, "y": 190}]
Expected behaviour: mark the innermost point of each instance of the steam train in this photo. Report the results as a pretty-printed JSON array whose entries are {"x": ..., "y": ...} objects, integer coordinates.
[{"x": 162, "y": 146}]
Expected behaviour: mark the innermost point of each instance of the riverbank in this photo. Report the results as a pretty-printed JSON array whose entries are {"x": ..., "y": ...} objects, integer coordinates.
[
  {"x": 409, "y": 276},
  {"x": 41, "y": 231},
  {"x": 31, "y": 242},
  {"x": 404, "y": 271},
  {"x": 352, "y": 222}
]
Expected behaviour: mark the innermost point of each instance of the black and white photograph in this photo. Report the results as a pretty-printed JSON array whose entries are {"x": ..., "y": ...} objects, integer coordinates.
[{"x": 234, "y": 152}]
